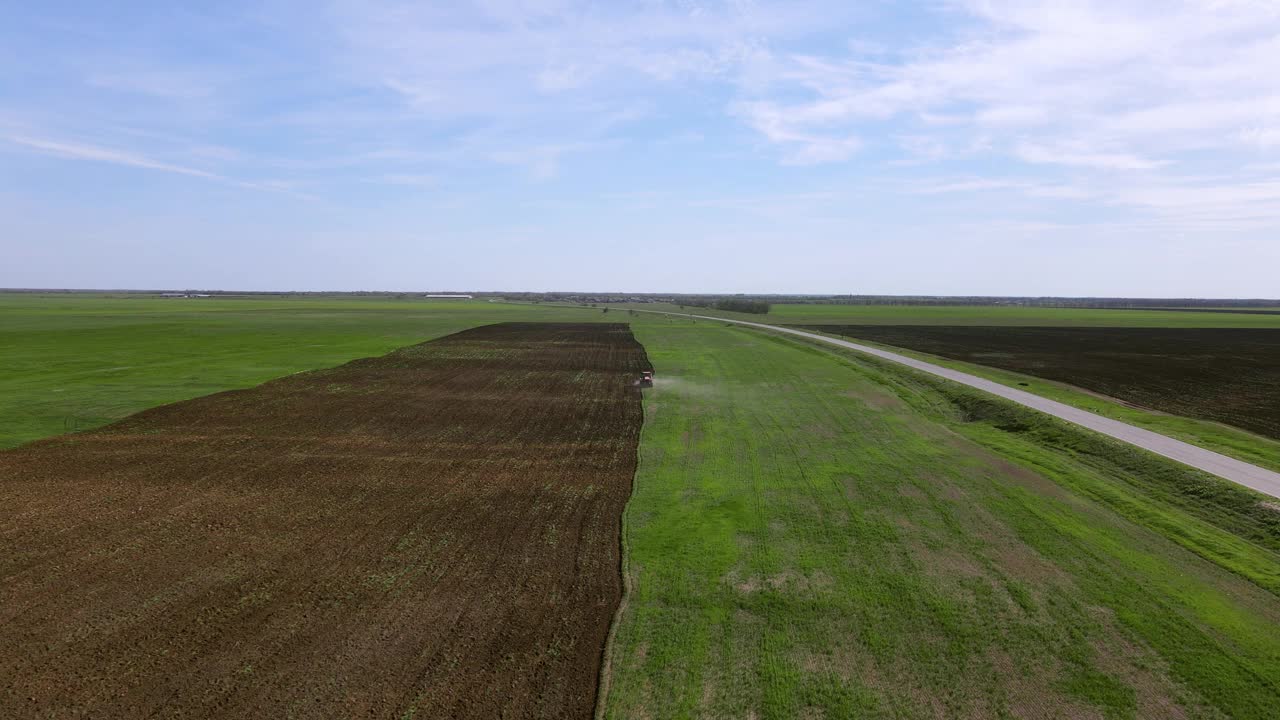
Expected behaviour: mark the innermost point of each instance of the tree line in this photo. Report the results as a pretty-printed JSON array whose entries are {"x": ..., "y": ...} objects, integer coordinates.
[{"x": 755, "y": 307}]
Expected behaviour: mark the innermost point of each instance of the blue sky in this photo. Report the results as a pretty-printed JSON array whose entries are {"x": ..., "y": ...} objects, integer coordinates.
[{"x": 1040, "y": 147}]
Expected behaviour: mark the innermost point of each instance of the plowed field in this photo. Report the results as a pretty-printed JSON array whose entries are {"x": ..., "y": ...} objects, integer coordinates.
[
  {"x": 431, "y": 533},
  {"x": 1227, "y": 375}
]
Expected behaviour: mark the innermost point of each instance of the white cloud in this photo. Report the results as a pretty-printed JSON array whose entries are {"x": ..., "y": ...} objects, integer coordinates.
[
  {"x": 1073, "y": 106},
  {"x": 1265, "y": 138},
  {"x": 1205, "y": 200},
  {"x": 1145, "y": 79},
  {"x": 805, "y": 147},
  {"x": 490, "y": 56},
  {"x": 966, "y": 185},
  {"x": 1077, "y": 155},
  {"x": 1060, "y": 191}
]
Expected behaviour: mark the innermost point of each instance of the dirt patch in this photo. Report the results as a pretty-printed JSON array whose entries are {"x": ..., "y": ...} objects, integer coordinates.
[
  {"x": 1155, "y": 694},
  {"x": 440, "y": 538},
  {"x": 785, "y": 581},
  {"x": 876, "y": 398},
  {"x": 818, "y": 430},
  {"x": 1031, "y": 692},
  {"x": 1008, "y": 471}
]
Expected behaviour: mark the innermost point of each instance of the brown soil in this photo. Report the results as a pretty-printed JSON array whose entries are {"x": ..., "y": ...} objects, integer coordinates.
[
  {"x": 432, "y": 533},
  {"x": 1227, "y": 375}
]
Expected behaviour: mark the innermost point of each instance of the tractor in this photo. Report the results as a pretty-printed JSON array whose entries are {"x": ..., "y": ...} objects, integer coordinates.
[{"x": 646, "y": 378}]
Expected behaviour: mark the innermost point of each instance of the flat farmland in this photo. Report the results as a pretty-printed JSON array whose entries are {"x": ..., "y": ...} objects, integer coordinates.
[
  {"x": 435, "y": 532},
  {"x": 430, "y": 533},
  {"x": 76, "y": 362},
  {"x": 1227, "y": 375},
  {"x": 819, "y": 535}
]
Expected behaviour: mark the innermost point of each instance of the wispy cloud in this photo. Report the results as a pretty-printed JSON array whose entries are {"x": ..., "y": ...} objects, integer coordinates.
[
  {"x": 76, "y": 151},
  {"x": 542, "y": 162},
  {"x": 93, "y": 153},
  {"x": 156, "y": 83},
  {"x": 967, "y": 185},
  {"x": 804, "y": 146},
  {"x": 404, "y": 179},
  {"x": 1077, "y": 155}
]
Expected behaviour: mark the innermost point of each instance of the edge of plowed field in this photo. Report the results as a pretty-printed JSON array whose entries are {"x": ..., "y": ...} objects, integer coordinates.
[{"x": 624, "y": 569}]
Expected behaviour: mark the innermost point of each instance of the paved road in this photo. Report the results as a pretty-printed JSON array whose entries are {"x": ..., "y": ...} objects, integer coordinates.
[{"x": 1251, "y": 476}]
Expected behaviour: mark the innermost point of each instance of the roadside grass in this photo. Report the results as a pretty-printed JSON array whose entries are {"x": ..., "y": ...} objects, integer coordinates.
[
  {"x": 1231, "y": 525},
  {"x": 819, "y": 536},
  {"x": 1228, "y": 440},
  {"x": 1225, "y": 375},
  {"x": 75, "y": 363}
]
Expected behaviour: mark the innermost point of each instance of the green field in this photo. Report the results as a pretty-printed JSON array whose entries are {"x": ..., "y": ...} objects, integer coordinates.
[
  {"x": 821, "y": 537},
  {"x": 78, "y": 362},
  {"x": 811, "y": 534},
  {"x": 795, "y": 314}
]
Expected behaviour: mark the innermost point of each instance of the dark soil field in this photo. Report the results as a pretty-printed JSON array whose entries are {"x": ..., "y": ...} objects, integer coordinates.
[
  {"x": 1230, "y": 375},
  {"x": 432, "y": 533}
]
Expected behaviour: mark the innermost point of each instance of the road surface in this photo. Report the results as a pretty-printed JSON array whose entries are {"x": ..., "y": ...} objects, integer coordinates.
[{"x": 1251, "y": 476}]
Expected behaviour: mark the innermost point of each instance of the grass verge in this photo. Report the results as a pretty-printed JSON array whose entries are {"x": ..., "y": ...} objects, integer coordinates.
[{"x": 1231, "y": 441}]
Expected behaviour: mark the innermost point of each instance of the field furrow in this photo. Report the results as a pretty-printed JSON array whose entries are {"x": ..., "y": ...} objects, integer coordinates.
[{"x": 433, "y": 532}]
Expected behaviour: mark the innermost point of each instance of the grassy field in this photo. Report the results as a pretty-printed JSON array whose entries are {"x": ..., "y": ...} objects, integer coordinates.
[
  {"x": 811, "y": 537},
  {"x": 792, "y": 314},
  {"x": 811, "y": 534},
  {"x": 77, "y": 362}
]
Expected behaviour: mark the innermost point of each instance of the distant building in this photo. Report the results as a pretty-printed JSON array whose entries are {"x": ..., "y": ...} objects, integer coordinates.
[{"x": 443, "y": 296}]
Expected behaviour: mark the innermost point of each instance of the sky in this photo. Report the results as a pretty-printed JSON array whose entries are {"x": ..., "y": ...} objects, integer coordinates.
[{"x": 993, "y": 147}]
